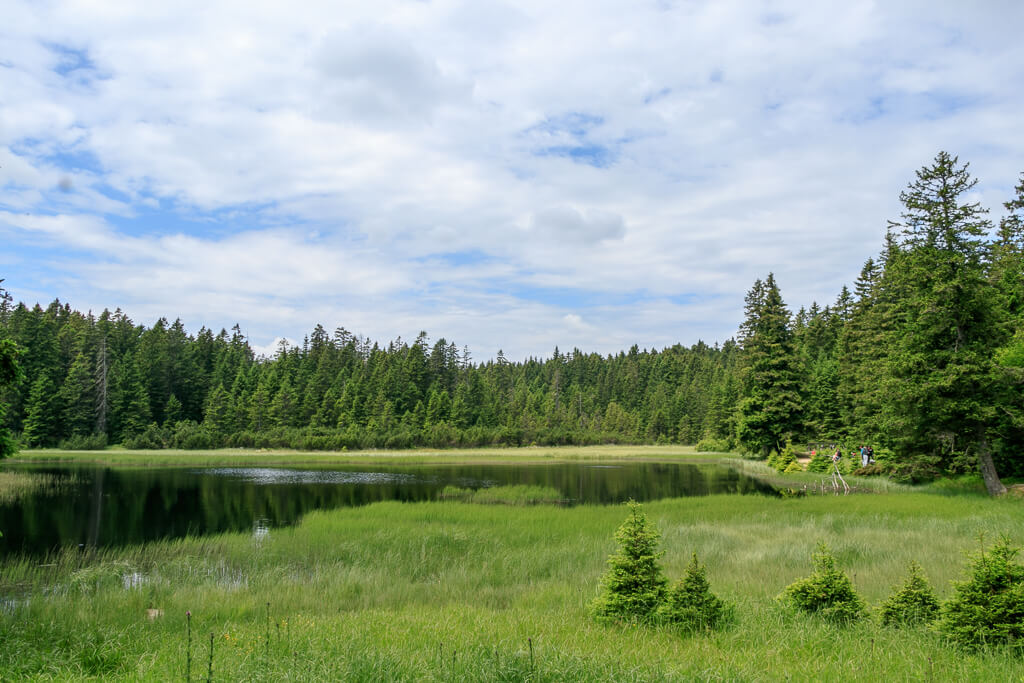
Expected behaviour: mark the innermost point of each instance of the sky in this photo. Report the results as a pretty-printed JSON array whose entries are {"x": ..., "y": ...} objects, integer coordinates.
[{"x": 513, "y": 176}]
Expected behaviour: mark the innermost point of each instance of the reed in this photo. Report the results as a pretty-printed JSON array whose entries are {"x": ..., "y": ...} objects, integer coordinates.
[{"x": 370, "y": 593}]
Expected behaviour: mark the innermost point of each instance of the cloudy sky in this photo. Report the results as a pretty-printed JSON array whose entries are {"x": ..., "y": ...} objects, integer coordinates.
[{"x": 505, "y": 175}]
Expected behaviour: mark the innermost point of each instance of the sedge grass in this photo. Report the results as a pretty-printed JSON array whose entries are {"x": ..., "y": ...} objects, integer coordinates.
[
  {"x": 15, "y": 484},
  {"x": 453, "y": 591},
  {"x": 518, "y": 494},
  {"x": 241, "y": 456}
]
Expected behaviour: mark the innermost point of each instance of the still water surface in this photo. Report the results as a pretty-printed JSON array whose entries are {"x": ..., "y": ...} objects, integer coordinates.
[{"x": 97, "y": 506}]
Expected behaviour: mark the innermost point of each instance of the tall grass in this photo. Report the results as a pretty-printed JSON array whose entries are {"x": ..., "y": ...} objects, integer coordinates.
[
  {"x": 519, "y": 494},
  {"x": 450, "y": 591},
  {"x": 15, "y": 484},
  {"x": 240, "y": 456}
]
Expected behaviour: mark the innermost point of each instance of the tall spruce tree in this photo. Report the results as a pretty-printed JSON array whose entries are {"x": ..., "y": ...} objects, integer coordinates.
[
  {"x": 770, "y": 408},
  {"x": 78, "y": 397},
  {"x": 940, "y": 387},
  {"x": 10, "y": 374}
]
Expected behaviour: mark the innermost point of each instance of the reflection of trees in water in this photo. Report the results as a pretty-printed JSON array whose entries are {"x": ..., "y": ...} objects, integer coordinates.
[{"x": 123, "y": 506}]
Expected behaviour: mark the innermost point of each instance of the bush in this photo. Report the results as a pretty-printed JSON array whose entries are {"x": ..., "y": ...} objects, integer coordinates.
[
  {"x": 988, "y": 608},
  {"x": 154, "y": 437},
  {"x": 634, "y": 584},
  {"x": 84, "y": 442},
  {"x": 913, "y": 603},
  {"x": 827, "y": 592},
  {"x": 793, "y": 467},
  {"x": 912, "y": 469},
  {"x": 821, "y": 462},
  {"x": 690, "y": 604},
  {"x": 711, "y": 445}
]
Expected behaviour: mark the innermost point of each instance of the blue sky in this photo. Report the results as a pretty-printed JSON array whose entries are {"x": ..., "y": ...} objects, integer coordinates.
[{"x": 505, "y": 175}]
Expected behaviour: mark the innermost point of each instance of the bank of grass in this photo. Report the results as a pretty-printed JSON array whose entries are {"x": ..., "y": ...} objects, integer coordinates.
[
  {"x": 519, "y": 494},
  {"x": 454, "y": 591},
  {"x": 240, "y": 457},
  {"x": 15, "y": 484}
]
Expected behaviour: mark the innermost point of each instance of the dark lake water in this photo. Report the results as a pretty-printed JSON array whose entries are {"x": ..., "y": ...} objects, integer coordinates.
[{"x": 97, "y": 506}]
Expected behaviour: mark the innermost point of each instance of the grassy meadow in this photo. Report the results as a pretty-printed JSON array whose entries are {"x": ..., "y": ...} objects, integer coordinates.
[
  {"x": 455, "y": 590},
  {"x": 236, "y": 457}
]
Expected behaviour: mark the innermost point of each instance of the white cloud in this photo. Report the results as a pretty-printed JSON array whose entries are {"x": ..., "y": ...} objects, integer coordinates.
[{"x": 482, "y": 171}]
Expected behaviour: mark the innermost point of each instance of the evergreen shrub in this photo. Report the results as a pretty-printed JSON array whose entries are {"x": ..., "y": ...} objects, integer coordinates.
[
  {"x": 153, "y": 437},
  {"x": 821, "y": 462},
  {"x": 912, "y": 603},
  {"x": 827, "y": 592},
  {"x": 793, "y": 467},
  {"x": 690, "y": 604},
  {"x": 913, "y": 469},
  {"x": 634, "y": 584},
  {"x": 988, "y": 608},
  {"x": 712, "y": 445},
  {"x": 84, "y": 442}
]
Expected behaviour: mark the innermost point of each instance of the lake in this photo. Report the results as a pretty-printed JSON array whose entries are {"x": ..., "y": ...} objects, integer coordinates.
[{"x": 102, "y": 506}]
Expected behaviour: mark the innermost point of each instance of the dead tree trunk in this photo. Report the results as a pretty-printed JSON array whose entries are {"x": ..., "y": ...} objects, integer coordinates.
[{"x": 988, "y": 468}]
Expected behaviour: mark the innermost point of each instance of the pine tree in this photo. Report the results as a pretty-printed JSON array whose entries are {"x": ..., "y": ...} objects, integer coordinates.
[
  {"x": 770, "y": 409},
  {"x": 78, "y": 398},
  {"x": 173, "y": 411},
  {"x": 940, "y": 370},
  {"x": 42, "y": 411},
  {"x": 634, "y": 584},
  {"x": 912, "y": 603},
  {"x": 690, "y": 604},
  {"x": 10, "y": 373}
]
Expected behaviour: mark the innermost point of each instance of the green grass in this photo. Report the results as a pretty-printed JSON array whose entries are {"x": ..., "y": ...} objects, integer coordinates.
[
  {"x": 452, "y": 591},
  {"x": 15, "y": 484},
  {"x": 238, "y": 457},
  {"x": 520, "y": 494}
]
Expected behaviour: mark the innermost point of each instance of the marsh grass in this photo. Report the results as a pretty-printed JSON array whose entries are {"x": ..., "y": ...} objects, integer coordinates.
[
  {"x": 519, "y": 494},
  {"x": 237, "y": 457},
  {"x": 15, "y": 484},
  {"x": 451, "y": 591}
]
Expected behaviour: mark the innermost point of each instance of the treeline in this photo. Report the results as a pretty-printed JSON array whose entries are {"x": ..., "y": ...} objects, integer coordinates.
[
  {"x": 91, "y": 380},
  {"x": 924, "y": 360}
]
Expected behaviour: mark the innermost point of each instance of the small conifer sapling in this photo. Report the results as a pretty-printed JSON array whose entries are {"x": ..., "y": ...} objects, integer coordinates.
[
  {"x": 690, "y": 604},
  {"x": 988, "y": 608},
  {"x": 634, "y": 584},
  {"x": 827, "y": 592},
  {"x": 913, "y": 603}
]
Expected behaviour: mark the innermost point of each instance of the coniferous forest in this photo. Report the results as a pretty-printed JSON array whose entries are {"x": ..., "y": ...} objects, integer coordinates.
[{"x": 923, "y": 359}]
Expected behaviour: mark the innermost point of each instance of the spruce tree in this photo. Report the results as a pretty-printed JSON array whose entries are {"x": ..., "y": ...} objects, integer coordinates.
[
  {"x": 690, "y": 604},
  {"x": 634, "y": 584},
  {"x": 770, "y": 409},
  {"x": 940, "y": 386},
  {"x": 78, "y": 398},
  {"x": 10, "y": 373},
  {"x": 42, "y": 411}
]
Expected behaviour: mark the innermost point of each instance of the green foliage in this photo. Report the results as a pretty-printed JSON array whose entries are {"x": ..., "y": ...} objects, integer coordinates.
[
  {"x": 519, "y": 494},
  {"x": 988, "y": 607},
  {"x": 84, "y": 442},
  {"x": 153, "y": 437},
  {"x": 634, "y": 584},
  {"x": 912, "y": 603},
  {"x": 712, "y": 445},
  {"x": 41, "y": 420},
  {"x": 820, "y": 462},
  {"x": 690, "y": 604},
  {"x": 771, "y": 408},
  {"x": 10, "y": 373},
  {"x": 827, "y": 592},
  {"x": 785, "y": 461}
]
